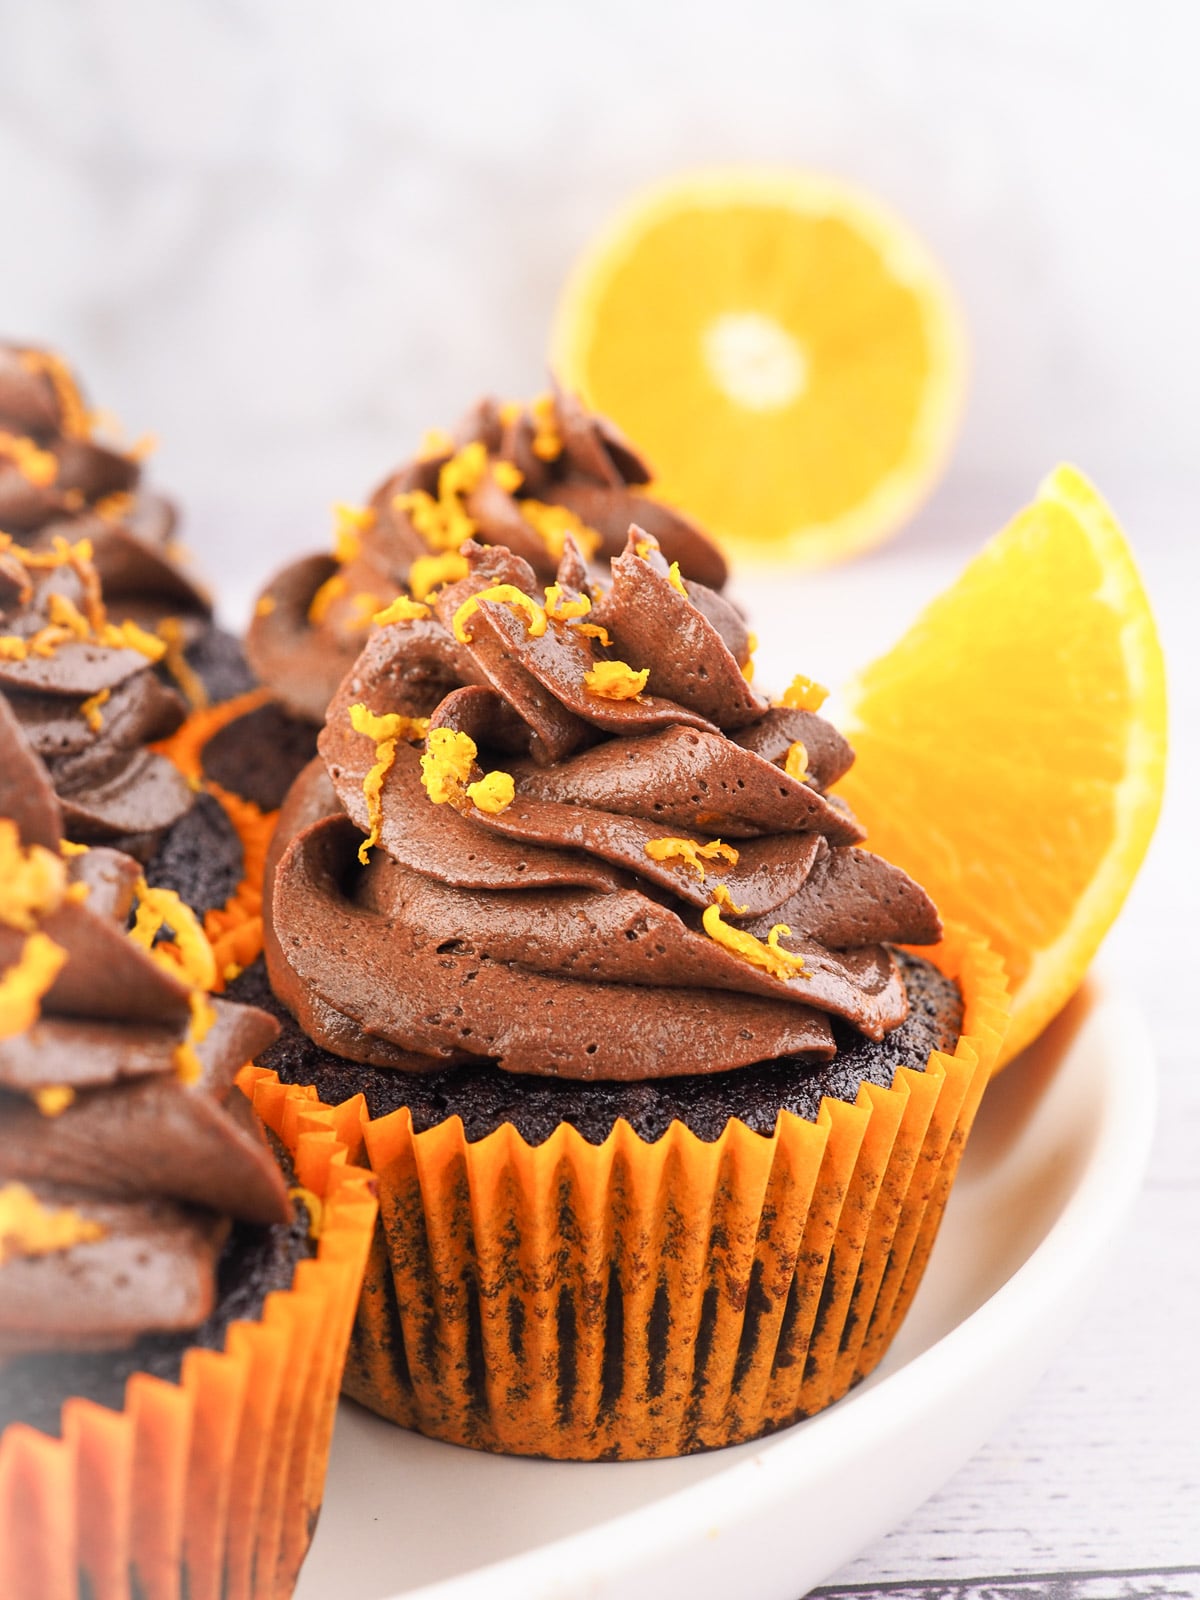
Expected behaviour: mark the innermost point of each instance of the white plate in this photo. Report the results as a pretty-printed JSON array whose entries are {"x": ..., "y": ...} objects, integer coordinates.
[{"x": 1058, "y": 1151}]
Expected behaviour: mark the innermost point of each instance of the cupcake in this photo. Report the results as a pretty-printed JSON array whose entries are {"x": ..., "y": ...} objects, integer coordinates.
[
  {"x": 663, "y": 1078},
  {"x": 521, "y": 476},
  {"x": 61, "y": 479},
  {"x": 174, "y": 1300},
  {"x": 84, "y": 695}
]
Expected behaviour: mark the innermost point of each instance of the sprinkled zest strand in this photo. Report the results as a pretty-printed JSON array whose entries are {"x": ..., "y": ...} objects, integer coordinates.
[
  {"x": 692, "y": 855},
  {"x": 265, "y": 605},
  {"x": 170, "y": 631},
  {"x": 795, "y": 763},
  {"x": 29, "y": 1228},
  {"x": 363, "y": 607},
  {"x": 114, "y": 507},
  {"x": 428, "y": 573},
  {"x": 350, "y": 523},
  {"x": 188, "y": 955},
  {"x": 493, "y": 794},
  {"x": 313, "y": 1204},
  {"x": 33, "y": 883},
  {"x": 615, "y": 680},
  {"x": 751, "y": 647},
  {"x": 36, "y": 466},
  {"x": 504, "y": 594},
  {"x": 805, "y": 694},
  {"x": 54, "y": 1098},
  {"x": 552, "y": 524},
  {"x": 547, "y": 442},
  {"x": 386, "y": 731},
  {"x": 320, "y": 605},
  {"x": 446, "y": 766},
  {"x": 675, "y": 579},
  {"x": 26, "y": 981},
  {"x": 189, "y": 950},
  {"x": 435, "y": 442},
  {"x": 90, "y": 710},
  {"x": 769, "y": 957},
  {"x": 74, "y": 422},
  {"x": 559, "y": 609},
  {"x": 723, "y": 897},
  {"x": 402, "y": 609}
]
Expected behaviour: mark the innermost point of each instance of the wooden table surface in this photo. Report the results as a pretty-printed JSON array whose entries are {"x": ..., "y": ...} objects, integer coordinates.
[{"x": 1091, "y": 1491}]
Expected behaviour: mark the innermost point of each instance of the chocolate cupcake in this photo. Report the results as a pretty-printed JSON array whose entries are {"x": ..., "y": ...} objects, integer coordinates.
[
  {"x": 61, "y": 480},
  {"x": 173, "y": 1317},
  {"x": 663, "y": 1118},
  {"x": 524, "y": 477}
]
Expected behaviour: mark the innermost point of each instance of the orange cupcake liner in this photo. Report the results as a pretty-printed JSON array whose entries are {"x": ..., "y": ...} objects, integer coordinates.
[
  {"x": 235, "y": 930},
  {"x": 207, "y": 1488},
  {"x": 633, "y": 1300}
]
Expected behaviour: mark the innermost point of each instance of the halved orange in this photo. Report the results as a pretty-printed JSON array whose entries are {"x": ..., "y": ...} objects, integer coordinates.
[
  {"x": 1011, "y": 748},
  {"x": 784, "y": 349}
]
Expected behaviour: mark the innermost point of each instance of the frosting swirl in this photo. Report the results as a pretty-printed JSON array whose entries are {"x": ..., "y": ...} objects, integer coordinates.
[
  {"x": 126, "y": 1148},
  {"x": 613, "y": 859},
  {"x": 79, "y": 703},
  {"x": 523, "y": 476},
  {"x": 58, "y": 480}
]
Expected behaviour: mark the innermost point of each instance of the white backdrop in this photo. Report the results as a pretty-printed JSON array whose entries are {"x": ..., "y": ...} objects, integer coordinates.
[{"x": 289, "y": 236}]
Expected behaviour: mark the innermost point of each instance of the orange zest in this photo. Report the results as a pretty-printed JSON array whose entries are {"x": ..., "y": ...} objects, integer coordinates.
[
  {"x": 692, "y": 855},
  {"x": 503, "y": 594},
  {"x": 615, "y": 680},
  {"x": 29, "y": 1228},
  {"x": 769, "y": 957},
  {"x": 386, "y": 731}
]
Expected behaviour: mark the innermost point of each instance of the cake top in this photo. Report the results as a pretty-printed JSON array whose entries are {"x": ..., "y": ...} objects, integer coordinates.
[
  {"x": 559, "y": 828},
  {"x": 526, "y": 477}
]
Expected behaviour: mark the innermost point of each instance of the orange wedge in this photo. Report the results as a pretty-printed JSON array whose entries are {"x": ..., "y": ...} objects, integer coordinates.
[
  {"x": 1011, "y": 748},
  {"x": 783, "y": 348}
]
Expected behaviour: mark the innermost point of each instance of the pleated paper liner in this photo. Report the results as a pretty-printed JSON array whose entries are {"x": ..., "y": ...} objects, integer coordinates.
[
  {"x": 633, "y": 1300},
  {"x": 234, "y": 930},
  {"x": 209, "y": 1488}
]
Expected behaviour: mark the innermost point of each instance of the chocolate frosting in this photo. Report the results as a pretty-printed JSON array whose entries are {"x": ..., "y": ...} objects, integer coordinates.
[
  {"x": 520, "y": 471},
  {"x": 78, "y": 708},
  {"x": 573, "y": 929},
  {"x": 155, "y": 1161},
  {"x": 58, "y": 480}
]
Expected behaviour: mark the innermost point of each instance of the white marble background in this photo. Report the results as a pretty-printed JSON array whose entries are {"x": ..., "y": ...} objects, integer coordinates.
[{"x": 288, "y": 236}]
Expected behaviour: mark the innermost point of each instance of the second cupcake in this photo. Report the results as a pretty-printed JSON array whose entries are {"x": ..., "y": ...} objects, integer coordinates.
[{"x": 663, "y": 1119}]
